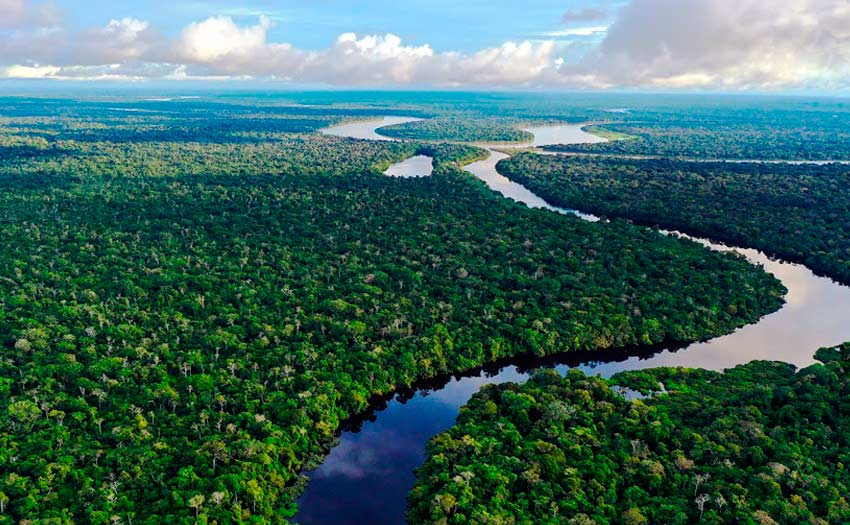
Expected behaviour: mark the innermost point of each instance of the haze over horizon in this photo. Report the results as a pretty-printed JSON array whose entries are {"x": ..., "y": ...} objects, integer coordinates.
[{"x": 800, "y": 46}]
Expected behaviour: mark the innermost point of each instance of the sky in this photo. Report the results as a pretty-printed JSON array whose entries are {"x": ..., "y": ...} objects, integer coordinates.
[{"x": 722, "y": 45}]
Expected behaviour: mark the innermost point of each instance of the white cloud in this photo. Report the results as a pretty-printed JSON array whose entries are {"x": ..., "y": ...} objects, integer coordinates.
[
  {"x": 578, "y": 31},
  {"x": 377, "y": 60},
  {"x": 218, "y": 46},
  {"x": 29, "y": 71},
  {"x": 219, "y": 37},
  {"x": 127, "y": 39},
  {"x": 726, "y": 44},
  {"x": 510, "y": 64},
  {"x": 124, "y": 39},
  {"x": 371, "y": 59}
]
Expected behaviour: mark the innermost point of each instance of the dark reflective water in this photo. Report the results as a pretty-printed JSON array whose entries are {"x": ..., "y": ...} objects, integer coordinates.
[{"x": 366, "y": 477}]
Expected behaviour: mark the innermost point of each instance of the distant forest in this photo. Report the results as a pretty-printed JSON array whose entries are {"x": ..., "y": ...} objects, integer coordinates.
[{"x": 196, "y": 293}]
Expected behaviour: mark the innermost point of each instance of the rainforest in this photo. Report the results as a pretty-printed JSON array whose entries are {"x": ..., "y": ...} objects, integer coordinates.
[
  {"x": 760, "y": 443},
  {"x": 207, "y": 303}
]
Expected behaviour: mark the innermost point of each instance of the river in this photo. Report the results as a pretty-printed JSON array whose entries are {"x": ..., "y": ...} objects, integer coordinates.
[{"x": 366, "y": 477}]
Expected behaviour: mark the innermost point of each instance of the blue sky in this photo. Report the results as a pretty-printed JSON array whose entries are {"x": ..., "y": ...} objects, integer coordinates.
[
  {"x": 719, "y": 45},
  {"x": 466, "y": 25}
]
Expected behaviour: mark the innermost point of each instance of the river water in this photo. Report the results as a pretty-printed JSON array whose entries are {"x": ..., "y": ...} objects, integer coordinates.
[
  {"x": 365, "y": 129},
  {"x": 366, "y": 477},
  {"x": 416, "y": 166}
]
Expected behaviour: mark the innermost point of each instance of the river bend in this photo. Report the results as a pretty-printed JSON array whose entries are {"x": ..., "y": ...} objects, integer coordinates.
[{"x": 367, "y": 475}]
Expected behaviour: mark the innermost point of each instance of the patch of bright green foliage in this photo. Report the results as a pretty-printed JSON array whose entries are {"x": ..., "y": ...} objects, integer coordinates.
[
  {"x": 759, "y": 444},
  {"x": 607, "y": 133}
]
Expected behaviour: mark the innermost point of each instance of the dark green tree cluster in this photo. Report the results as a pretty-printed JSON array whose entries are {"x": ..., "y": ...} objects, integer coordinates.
[
  {"x": 459, "y": 129},
  {"x": 760, "y": 444},
  {"x": 184, "y": 325},
  {"x": 797, "y": 212},
  {"x": 290, "y": 154}
]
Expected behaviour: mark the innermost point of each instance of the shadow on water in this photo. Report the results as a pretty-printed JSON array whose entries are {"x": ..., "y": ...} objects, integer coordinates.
[
  {"x": 522, "y": 365},
  {"x": 366, "y": 476}
]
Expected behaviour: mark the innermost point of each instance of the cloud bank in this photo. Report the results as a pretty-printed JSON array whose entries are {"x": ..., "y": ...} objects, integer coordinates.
[
  {"x": 725, "y": 43},
  {"x": 702, "y": 44}
]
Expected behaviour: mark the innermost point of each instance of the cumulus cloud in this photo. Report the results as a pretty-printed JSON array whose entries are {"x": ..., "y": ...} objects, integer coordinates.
[
  {"x": 371, "y": 59},
  {"x": 219, "y": 37},
  {"x": 218, "y": 46},
  {"x": 117, "y": 41},
  {"x": 377, "y": 60},
  {"x": 726, "y": 44},
  {"x": 512, "y": 64}
]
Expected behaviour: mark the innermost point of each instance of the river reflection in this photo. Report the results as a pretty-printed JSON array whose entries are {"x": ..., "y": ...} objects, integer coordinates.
[
  {"x": 416, "y": 166},
  {"x": 366, "y": 477},
  {"x": 562, "y": 134}
]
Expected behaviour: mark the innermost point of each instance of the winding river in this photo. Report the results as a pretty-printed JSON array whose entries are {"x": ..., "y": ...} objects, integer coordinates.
[{"x": 366, "y": 477}]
